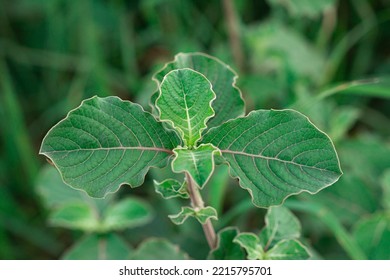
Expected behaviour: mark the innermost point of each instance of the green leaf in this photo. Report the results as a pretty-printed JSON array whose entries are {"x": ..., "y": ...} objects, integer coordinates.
[
  {"x": 185, "y": 102},
  {"x": 299, "y": 8},
  {"x": 251, "y": 243},
  {"x": 385, "y": 182},
  {"x": 171, "y": 188},
  {"x": 288, "y": 250},
  {"x": 128, "y": 213},
  {"x": 280, "y": 224},
  {"x": 202, "y": 215},
  {"x": 198, "y": 162},
  {"x": 227, "y": 249},
  {"x": 107, "y": 142},
  {"x": 75, "y": 216},
  {"x": 158, "y": 249},
  {"x": 229, "y": 103},
  {"x": 54, "y": 192},
  {"x": 97, "y": 247},
  {"x": 373, "y": 235},
  {"x": 276, "y": 154}
]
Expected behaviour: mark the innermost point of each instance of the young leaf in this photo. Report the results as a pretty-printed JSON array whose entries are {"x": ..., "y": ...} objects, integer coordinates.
[
  {"x": 280, "y": 224},
  {"x": 158, "y": 249},
  {"x": 171, "y": 188},
  {"x": 107, "y": 142},
  {"x": 251, "y": 243},
  {"x": 202, "y": 215},
  {"x": 75, "y": 215},
  {"x": 227, "y": 249},
  {"x": 288, "y": 250},
  {"x": 185, "y": 102},
  {"x": 127, "y": 213},
  {"x": 198, "y": 162},
  {"x": 229, "y": 103},
  {"x": 98, "y": 247},
  {"x": 55, "y": 193},
  {"x": 276, "y": 154}
]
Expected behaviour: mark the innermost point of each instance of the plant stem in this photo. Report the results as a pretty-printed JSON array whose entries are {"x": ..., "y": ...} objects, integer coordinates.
[
  {"x": 234, "y": 33},
  {"x": 197, "y": 203}
]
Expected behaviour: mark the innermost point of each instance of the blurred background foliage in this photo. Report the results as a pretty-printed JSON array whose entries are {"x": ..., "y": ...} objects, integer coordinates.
[{"x": 329, "y": 59}]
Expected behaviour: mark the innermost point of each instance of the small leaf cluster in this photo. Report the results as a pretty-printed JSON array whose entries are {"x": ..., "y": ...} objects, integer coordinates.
[{"x": 278, "y": 240}]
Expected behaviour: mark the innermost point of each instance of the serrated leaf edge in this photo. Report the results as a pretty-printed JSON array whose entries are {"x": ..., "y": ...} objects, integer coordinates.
[
  {"x": 155, "y": 182},
  {"x": 214, "y": 152},
  {"x": 193, "y": 214},
  {"x": 122, "y": 183},
  {"x": 295, "y": 193},
  {"x": 178, "y": 130},
  {"x": 287, "y": 240},
  {"x": 234, "y": 83}
]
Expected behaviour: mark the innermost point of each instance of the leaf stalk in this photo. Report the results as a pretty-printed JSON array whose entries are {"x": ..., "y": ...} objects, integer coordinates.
[{"x": 197, "y": 203}]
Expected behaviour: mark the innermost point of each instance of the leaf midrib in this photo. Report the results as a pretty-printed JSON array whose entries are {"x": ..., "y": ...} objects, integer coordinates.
[
  {"x": 187, "y": 113},
  {"x": 156, "y": 149},
  {"x": 272, "y": 158}
]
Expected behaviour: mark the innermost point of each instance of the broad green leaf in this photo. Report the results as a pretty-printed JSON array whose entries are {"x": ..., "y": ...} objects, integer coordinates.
[
  {"x": 107, "y": 142},
  {"x": 171, "y": 188},
  {"x": 185, "y": 102},
  {"x": 251, "y": 243},
  {"x": 158, "y": 249},
  {"x": 226, "y": 248},
  {"x": 385, "y": 182},
  {"x": 202, "y": 215},
  {"x": 99, "y": 247},
  {"x": 128, "y": 213},
  {"x": 229, "y": 103},
  {"x": 198, "y": 162},
  {"x": 288, "y": 250},
  {"x": 373, "y": 235},
  {"x": 276, "y": 154},
  {"x": 280, "y": 224},
  {"x": 54, "y": 192},
  {"x": 75, "y": 216},
  {"x": 299, "y": 8}
]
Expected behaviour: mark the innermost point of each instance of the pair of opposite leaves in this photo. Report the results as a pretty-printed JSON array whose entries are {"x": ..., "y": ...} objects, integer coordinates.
[{"x": 107, "y": 142}]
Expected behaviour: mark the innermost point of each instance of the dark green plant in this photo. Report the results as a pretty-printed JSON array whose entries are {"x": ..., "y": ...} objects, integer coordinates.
[{"x": 198, "y": 121}]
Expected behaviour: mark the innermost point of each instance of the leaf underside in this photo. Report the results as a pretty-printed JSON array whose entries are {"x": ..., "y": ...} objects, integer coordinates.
[
  {"x": 275, "y": 154},
  {"x": 229, "y": 103},
  {"x": 171, "y": 188},
  {"x": 198, "y": 162},
  {"x": 202, "y": 215},
  {"x": 107, "y": 142},
  {"x": 185, "y": 102},
  {"x": 281, "y": 224},
  {"x": 288, "y": 249},
  {"x": 227, "y": 249}
]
